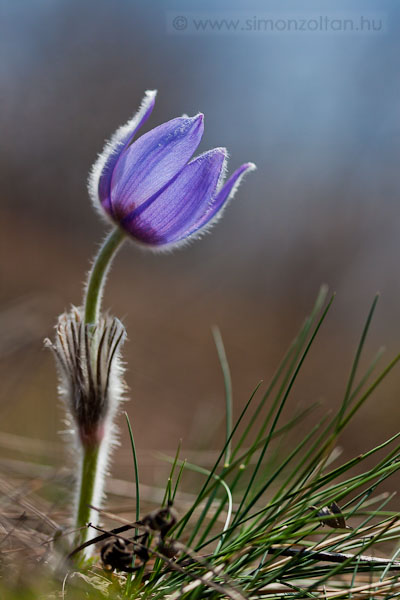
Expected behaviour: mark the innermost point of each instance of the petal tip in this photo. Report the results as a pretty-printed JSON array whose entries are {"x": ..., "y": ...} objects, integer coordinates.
[
  {"x": 220, "y": 151},
  {"x": 149, "y": 100},
  {"x": 198, "y": 119},
  {"x": 196, "y": 124},
  {"x": 149, "y": 97}
]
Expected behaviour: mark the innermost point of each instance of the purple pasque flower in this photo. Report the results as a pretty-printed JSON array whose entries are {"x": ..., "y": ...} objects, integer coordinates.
[{"x": 151, "y": 188}]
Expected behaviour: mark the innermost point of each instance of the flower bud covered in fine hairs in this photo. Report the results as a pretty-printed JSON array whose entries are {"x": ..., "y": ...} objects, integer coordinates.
[{"x": 91, "y": 387}]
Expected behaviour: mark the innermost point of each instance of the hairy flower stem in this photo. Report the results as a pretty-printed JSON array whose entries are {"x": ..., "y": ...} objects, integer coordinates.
[
  {"x": 98, "y": 274},
  {"x": 86, "y": 490},
  {"x": 89, "y": 472}
]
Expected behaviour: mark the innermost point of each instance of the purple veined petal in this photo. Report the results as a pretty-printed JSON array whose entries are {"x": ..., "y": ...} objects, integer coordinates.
[
  {"x": 152, "y": 161},
  {"x": 160, "y": 220},
  {"x": 101, "y": 173},
  {"x": 216, "y": 207}
]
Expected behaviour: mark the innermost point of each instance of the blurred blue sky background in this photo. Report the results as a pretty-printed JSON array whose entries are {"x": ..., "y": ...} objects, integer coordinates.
[{"x": 319, "y": 113}]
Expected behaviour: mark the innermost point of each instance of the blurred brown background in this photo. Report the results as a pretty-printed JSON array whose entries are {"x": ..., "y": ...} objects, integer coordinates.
[{"x": 320, "y": 116}]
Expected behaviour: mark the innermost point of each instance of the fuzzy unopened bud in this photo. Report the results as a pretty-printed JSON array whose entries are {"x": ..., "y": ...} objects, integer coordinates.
[{"x": 91, "y": 387}]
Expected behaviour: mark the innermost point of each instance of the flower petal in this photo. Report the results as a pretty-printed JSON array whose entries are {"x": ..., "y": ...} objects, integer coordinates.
[
  {"x": 163, "y": 218},
  {"x": 220, "y": 201},
  {"x": 151, "y": 162},
  {"x": 101, "y": 173}
]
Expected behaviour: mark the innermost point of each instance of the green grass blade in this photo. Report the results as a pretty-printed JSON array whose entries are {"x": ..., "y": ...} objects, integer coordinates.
[
  {"x": 219, "y": 344},
  {"x": 136, "y": 467},
  {"x": 243, "y": 511},
  {"x": 357, "y": 360},
  {"x": 137, "y": 488}
]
